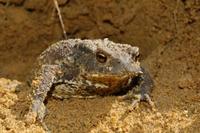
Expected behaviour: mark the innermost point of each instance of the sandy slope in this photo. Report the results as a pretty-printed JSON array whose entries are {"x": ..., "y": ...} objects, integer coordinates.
[{"x": 167, "y": 33}]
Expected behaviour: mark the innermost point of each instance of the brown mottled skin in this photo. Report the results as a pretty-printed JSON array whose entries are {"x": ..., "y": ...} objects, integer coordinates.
[{"x": 88, "y": 68}]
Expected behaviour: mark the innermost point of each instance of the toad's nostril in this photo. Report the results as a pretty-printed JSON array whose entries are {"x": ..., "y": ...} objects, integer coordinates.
[{"x": 139, "y": 72}]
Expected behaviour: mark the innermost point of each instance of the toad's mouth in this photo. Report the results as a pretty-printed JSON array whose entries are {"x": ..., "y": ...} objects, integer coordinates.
[{"x": 106, "y": 84}]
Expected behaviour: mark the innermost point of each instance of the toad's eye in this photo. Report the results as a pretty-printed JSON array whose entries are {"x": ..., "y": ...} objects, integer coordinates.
[{"x": 101, "y": 57}]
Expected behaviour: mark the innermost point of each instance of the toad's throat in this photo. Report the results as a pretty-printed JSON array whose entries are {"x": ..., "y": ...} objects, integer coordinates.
[{"x": 107, "y": 84}]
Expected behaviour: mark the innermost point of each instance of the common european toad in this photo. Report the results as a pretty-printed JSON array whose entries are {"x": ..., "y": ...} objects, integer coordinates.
[{"x": 88, "y": 68}]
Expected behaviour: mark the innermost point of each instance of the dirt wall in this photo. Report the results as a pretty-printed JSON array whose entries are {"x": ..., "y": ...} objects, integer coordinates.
[{"x": 167, "y": 33}]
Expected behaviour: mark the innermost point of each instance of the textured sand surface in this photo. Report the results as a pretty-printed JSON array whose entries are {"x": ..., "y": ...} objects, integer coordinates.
[{"x": 167, "y": 33}]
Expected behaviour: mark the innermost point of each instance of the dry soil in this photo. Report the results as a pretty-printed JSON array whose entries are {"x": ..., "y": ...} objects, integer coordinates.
[{"x": 167, "y": 32}]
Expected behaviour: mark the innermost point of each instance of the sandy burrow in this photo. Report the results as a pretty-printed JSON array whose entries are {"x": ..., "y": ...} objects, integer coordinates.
[{"x": 119, "y": 118}]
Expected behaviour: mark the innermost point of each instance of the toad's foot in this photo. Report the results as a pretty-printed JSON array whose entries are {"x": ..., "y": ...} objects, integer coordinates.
[
  {"x": 39, "y": 109},
  {"x": 137, "y": 98},
  {"x": 31, "y": 117},
  {"x": 37, "y": 113}
]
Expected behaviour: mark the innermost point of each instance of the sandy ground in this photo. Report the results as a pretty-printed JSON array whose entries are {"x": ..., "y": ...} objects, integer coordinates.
[{"x": 167, "y": 33}]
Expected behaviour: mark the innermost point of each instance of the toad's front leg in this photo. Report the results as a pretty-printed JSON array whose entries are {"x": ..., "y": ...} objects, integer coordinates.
[
  {"x": 142, "y": 90},
  {"x": 41, "y": 84},
  {"x": 146, "y": 86}
]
